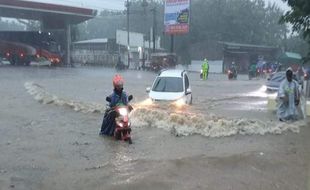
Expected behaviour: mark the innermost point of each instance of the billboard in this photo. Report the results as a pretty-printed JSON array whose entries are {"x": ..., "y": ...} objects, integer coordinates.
[{"x": 177, "y": 16}]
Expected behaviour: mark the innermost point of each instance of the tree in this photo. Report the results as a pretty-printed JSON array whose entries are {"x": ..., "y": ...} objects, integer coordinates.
[
  {"x": 299, "y": 17},
  {"x": 241, "y": 21}
]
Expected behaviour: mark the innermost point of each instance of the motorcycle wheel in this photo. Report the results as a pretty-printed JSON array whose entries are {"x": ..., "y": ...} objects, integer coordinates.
[{"x": 118, "y": 135}]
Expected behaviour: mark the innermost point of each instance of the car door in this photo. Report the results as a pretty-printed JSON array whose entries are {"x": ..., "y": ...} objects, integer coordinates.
[{"x": 187, "y": 87}]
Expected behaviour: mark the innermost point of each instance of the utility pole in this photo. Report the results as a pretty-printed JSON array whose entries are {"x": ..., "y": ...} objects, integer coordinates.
[
  {"x": 172, "y": 43},
  {"x": 128, "y": 39},
  {"x": 154, "y": 29},
  {"x": 144, "y": 5}
]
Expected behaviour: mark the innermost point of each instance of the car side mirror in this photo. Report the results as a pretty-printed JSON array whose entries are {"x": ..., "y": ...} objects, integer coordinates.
[
  {"x": 130, "y": 97},
  {"x": 188, "y": 91},
  {"x": 148, "y": 89},
  {"x": 108, "y": 99}
]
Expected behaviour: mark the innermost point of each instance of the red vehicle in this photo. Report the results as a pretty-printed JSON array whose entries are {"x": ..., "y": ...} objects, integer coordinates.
[
  {"x": 123, "y": 126},
  {"x": 22, "y": 47},
  {"x": 17, "y": 53},
  {"x": 161, "y": 61}
]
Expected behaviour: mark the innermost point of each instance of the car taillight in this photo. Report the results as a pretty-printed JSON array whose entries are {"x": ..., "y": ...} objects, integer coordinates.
[
  {"x": 270, "y": 70},
  {"x": 7, "y": 54}
]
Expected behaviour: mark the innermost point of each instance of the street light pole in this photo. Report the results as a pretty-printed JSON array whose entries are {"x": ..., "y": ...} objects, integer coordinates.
[{"x": 128, "y": 39}]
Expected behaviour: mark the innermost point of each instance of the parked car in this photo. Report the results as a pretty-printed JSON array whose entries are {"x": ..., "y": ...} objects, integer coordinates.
[
  {"x": 4, "y": 61},
  {"x": 172, "y": 86},
  {"x": 41, "y": 61}
]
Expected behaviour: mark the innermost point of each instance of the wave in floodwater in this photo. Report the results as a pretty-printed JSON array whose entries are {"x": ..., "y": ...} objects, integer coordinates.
[
  {"x": 178, "y": 123},
  {"x": 41, "y": 95}
]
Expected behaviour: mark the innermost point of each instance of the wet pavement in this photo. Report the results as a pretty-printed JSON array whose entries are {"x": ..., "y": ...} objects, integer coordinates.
[{"x": 49, "y": 146}]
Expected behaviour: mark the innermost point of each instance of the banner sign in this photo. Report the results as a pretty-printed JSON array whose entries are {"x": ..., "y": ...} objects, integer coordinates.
[{"x": 177, "y": 16}]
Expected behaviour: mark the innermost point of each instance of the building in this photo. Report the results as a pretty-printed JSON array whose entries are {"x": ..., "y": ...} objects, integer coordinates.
[
  {"x": 139, "y": 48},
  {"x": 53, "y": 17},
  {"x": 245, "y": 54}
]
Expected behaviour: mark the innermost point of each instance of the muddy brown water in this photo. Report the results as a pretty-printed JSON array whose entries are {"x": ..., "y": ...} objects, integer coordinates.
[{"x": 45, "y": 146}]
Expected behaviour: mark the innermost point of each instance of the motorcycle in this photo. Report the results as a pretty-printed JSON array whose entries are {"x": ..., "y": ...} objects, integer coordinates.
[
  {"x": 231, "y": 74},
  {"x": 122, "y": 129},
  {"x": 252, "y": 75}
]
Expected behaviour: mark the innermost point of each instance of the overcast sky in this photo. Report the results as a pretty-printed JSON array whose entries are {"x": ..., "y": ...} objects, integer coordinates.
[{"x": 116, "y": 4}]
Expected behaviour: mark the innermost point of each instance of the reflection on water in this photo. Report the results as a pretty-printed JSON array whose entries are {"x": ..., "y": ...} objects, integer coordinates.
[{"x": 261, "y": 93}]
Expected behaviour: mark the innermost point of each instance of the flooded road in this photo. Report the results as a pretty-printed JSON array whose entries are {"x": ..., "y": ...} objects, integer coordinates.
[{"x": 50, "y": 119}]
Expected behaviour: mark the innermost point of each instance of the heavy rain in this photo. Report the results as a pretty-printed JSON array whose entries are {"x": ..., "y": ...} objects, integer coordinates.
[{"x": 205, "y": 76}]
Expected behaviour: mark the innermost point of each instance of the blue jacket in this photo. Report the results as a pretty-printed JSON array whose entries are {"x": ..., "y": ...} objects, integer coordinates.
[{"x": 117, "y": 99}]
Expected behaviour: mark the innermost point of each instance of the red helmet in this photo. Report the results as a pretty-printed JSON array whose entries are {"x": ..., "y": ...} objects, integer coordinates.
[{"x": 118, "y": 81}]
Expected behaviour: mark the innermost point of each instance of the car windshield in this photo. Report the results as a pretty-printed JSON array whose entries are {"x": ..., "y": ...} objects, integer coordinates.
[{"x": 168, "y": 84}]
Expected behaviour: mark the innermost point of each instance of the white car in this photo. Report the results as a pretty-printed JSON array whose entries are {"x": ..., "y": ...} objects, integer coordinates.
[
  {"x": 4, "y": 61},
  {"x": 173, "y": 86},
  {"x": 40, "y": 62}
]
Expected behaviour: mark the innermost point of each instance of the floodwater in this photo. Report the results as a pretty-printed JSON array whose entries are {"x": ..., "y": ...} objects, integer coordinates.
[{"x": 50, "y": 119}]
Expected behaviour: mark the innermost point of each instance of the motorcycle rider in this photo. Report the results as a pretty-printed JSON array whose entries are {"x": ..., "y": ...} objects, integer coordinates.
[
  {"x": 252, "y": 70},
  {"x": 205, "y": 69},
  {"x": 118, "y": 97},
  {"x": 233, "y": 69}
]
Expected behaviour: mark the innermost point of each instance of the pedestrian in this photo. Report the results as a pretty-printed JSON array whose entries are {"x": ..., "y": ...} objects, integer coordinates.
[
  {"x": 205, "y": 69},
  {"x": 288, "y": 98}
]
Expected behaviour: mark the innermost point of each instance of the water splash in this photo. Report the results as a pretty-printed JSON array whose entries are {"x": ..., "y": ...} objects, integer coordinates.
[
  {"x": 177, "y": 122},
  {"x": 41, "y": 95}
]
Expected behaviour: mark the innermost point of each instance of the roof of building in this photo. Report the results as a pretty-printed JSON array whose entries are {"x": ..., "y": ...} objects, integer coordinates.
[
  {"x": 92, "y": 41},
  {"x": 290, "y": 57},
  {"x": 232, "y": 45},
  {"x": 46, "y": 12}
]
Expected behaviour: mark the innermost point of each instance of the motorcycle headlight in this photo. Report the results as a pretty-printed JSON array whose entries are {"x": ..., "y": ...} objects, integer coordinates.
[
  {"x": 123, "y": 111},
  {"x": 119, "y": 123}
]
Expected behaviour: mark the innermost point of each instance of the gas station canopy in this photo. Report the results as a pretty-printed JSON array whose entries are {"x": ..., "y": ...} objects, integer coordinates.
[{"x": 52, "y": 16}]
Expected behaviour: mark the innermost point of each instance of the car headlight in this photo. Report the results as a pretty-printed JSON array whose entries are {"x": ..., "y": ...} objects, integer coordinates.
[{"x": 180, "y": 102}]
